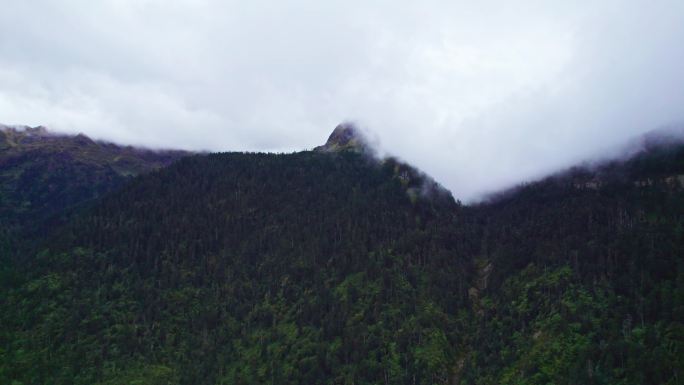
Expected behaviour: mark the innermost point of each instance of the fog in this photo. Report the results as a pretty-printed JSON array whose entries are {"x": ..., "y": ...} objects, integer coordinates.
[{"x": 480, "y": 95}]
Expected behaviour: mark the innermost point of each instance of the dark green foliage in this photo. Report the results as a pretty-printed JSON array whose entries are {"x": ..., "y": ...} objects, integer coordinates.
[
  {"x": 251, "y": 268},
  {"x": 334, "y": 269},
  {"x": 45, "y": 177},
  {"x": 587, "y": 278}
]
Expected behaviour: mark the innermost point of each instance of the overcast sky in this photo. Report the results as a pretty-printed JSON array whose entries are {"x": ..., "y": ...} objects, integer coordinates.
[{"x": 479, "y": 94}]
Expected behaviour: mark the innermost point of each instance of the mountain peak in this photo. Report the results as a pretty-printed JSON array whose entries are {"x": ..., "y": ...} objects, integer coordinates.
[
  {"x": 345, "y": 137},
  {"x": 26, "y": 130}
]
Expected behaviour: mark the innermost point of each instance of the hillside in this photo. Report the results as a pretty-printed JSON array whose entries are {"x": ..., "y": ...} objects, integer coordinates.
[
  {"x": 581, "y": 276},
  {"x": 44, "y": 176},
  {"x": 241, "y": 268},
  {"x": 335, "y": 267}
]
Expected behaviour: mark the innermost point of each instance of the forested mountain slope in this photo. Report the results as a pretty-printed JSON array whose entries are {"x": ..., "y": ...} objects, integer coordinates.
[
  {"x": 334, "y": 267},
  {"x": 581, "y": 276},
  {"x": 247, "y": 268},
  {"x": 43, "y": 176}
]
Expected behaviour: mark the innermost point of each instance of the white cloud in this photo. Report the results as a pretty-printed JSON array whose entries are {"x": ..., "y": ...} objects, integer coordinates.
[{"x": 480, "y": 95}]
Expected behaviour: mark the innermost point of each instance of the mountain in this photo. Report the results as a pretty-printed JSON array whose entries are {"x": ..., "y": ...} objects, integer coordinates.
[
  {"x": 327, "y": 267},
  {"x": 346, "y": 137},
  {"x": 45, "y": 176},
  {"x": 581, "y": 278}
]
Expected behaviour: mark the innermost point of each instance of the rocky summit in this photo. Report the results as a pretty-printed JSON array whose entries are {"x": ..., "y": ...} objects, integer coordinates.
[{"x": 346, "y": 137}]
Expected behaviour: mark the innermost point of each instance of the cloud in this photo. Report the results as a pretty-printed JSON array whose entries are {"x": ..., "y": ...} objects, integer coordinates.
[{"x": 480, "y": 95}]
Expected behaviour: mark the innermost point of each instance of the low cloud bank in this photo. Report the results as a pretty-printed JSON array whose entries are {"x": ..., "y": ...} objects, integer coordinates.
[{"x": 480, "y": 96}]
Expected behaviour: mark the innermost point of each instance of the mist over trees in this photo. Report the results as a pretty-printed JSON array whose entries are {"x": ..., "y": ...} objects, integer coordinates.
[{"x": 323, "y": 268}]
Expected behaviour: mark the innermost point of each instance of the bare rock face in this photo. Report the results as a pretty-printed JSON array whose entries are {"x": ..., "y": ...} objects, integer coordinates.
[{"x": 345, "y": 137}]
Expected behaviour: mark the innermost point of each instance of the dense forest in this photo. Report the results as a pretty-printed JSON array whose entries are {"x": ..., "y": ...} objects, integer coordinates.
[
  {"x": 46, "y": 177},
  {"x": 333, "y": 267}
]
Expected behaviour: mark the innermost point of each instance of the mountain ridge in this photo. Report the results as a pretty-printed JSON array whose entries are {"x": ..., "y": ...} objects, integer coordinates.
[
  {"x": 45, "y": 176},
  {"x": 321, "y": 267}
]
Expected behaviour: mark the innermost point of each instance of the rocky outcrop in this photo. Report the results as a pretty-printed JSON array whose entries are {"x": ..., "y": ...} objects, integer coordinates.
[{"x": 345, "y": 137}]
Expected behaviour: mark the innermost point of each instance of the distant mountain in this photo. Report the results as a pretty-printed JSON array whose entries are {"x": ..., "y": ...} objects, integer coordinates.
[
  {"x": 15, "y": 142},
  {"x": 44, "y": 175},
  {"x": 332, "y": 267}
]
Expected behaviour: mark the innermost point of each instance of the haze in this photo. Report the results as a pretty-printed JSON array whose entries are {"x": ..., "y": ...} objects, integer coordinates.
[{"x": 481, "y": 95}]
